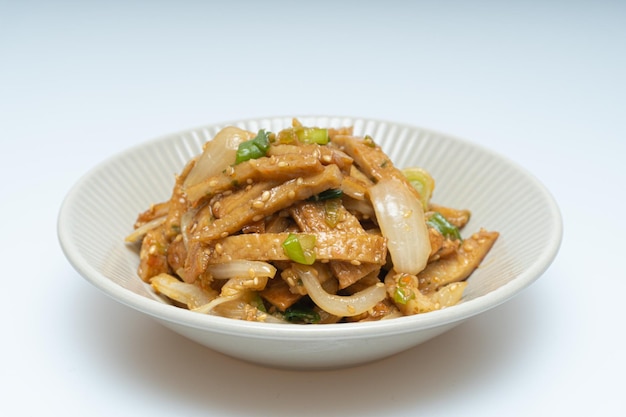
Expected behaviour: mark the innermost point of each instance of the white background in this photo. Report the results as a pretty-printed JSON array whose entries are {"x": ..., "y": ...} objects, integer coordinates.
[{"x": 541, "y": 82}]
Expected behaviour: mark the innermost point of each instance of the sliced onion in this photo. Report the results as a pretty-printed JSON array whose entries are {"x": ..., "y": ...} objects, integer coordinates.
[
  {"x": 400, "y": 216},
  {"x": 218, "y": 154},
  {"x": 185, "y": 223},
  {"x": 240, "y": 310},
  {"x": 189, "y": 294},
  {"x": 242, "y": 268},
  {"x": 343, "y": 306},
  {"x": 140, "y": 232}
]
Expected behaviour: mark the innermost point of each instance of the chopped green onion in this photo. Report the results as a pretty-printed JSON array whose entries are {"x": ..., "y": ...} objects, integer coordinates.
[
  {"x": 301, "y": 315},
  {"x": 312, "y": 135},
  {"x": 304, "y": 135},
  {"x": 403, "y": 295},
  {"x": 253, "y": 148},
  {"x": 257, "y": 302},
  {"x": 327, "y": 195},
  {"x": 422, "y": 181},
  {"x": 331, "y": 211},
  {"x": 300, "y": 248},
  {"x": 443, "y": 226},
  {"x": 369, "y": 141}
]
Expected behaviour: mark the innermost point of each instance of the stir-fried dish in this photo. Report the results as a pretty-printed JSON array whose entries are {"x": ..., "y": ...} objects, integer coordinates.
[{"x": 305, "y": 225}]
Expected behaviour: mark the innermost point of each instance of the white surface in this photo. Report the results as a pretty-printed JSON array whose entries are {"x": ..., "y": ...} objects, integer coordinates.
[
  {"x": 99, "y": 210},
  {"x": 540, "y": 83}
]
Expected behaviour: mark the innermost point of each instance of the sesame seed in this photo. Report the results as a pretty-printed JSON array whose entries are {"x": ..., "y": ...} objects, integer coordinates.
[
  {"x": 213, "y": 183},
  {"x": 407, "y": 213},
  {"x": 350, "y": 308},
  {"x": 327, "y": 158},
  {"x": 224, "y": 234},
  {"x": 299, "y": 181},
  {"x": 251, "y": 273},
  {"x": 249, "y": 181},
  {"x": 282, "y": 164},
  {"x": 219, "y": 248},
  {"x": 292, "y": 194},
  {"x": 257, "y": 217},
  {"x": 265, "y": 196},
  {"x": 258, "y": 204},
  {"x": 355, "y": 262}
]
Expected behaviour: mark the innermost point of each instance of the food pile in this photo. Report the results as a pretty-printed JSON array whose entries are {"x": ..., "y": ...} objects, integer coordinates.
[{"x": 305, "y": 225}]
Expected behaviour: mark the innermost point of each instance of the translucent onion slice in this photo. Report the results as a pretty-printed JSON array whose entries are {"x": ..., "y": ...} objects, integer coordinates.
[
  {"x": 242, "y": 268},
  {"x": 189, "y": 294},
  {"x": 241, "y": 310},
  {"x": 218, "y": 154},
  {"x": 140, "y": 232},
  {"x": 401, "y": 219},
  {"x": 343, "y": 306},
  {"x": 185, "y": 223}
]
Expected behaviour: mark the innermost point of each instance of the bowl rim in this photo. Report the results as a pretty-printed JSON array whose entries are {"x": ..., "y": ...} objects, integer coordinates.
[{"x": 257, "y": 330}]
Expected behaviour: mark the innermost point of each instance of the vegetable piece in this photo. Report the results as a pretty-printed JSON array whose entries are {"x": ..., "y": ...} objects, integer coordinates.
[
  {"x": 240, "y": 309},
  {"x": 307, "y": 135},
  {"x": 312, "y": 135},
  {"x": 327, "y": 195},
  {"x": 401, "y": 219},
  {"x": 443, "y": 226},
  {"x": 189, "y": 294},
  {"x": 300, "y": 315},
  {"x": 343, "y": 306},
  {"x": 422, "y": 181},
  {"x": 300, "y": 248},
  {"x": 253, "y": 148},
  {"x": 403, "y": 292},
  {"x": 217, "y": 155},
  {"x": 241, "y": 268},
  {"x": 403, "y": 288},
  {"x": 140, "y": 232},
  {"x": 332, "y": 212}
]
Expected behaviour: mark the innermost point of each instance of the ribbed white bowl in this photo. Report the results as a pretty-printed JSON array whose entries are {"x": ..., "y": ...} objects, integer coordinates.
[{"x": 102, "y": 207}]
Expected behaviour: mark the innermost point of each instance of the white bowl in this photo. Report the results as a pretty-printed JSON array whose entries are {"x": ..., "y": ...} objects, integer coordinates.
[{"x": 101, "y": 209}]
